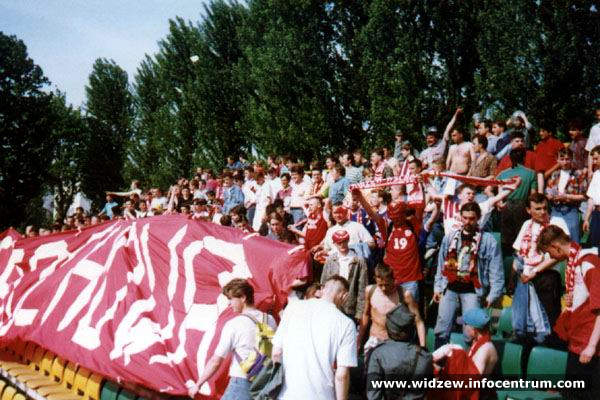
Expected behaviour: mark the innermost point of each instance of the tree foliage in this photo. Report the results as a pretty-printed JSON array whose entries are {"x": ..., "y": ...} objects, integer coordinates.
[
  {"x": 25, "y": 115},
  {"x": 109, "y": 117},
  {"x": 300, "y": 77}
]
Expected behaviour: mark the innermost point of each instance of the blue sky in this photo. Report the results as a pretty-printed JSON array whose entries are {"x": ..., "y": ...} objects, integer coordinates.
[{"x": 64, "y": 37}]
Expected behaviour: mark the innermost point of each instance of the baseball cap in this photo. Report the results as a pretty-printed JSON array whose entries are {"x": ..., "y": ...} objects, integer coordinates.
[
  {"x": 340, "y": 236},
  {"x": 475, "y": 317}
]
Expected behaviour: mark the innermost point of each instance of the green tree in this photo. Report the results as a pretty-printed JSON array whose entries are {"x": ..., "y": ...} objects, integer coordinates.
[
  {"x": 109, "y": 109},
  {"x": 26, "y": 140},
  {"x": 69, "y": 157},
  {"x": 294, "y": 75}
]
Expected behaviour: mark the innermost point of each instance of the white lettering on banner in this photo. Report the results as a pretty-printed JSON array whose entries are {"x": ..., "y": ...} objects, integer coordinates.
[
  {"x": 16, "y": 256},
  {"x": 232, "y": 252},
  {"x": 147, "y": 259},
  {"x": 189, "y": 254},
  {"x": 24, "y": 316},
  {"x": 62, "y": 287},
  {"x": 91, "y": 271},
  {"x": 174, "y": 261},
  {"x": 138, "y": 271},
  {"x": 88, "y": 336}
]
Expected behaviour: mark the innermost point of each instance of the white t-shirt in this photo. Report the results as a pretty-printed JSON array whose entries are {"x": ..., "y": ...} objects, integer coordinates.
[
  {"x": 314, "y": 335},
  {"x": 345, "y": 264},
  {"x": 159, "y": 203},
  {"x": 298, "y": 191},
  {"x": 593, "y": 191},
  {"x": 563, "y": 180},
  {"x": 594, "y": 138},
  {"x": 358, "y": 233},
  {"x": 239, "y": 335}
]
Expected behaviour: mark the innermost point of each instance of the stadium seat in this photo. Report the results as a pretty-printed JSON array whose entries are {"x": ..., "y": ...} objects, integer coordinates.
[
  {"x": 430, "y": 340},
  {"x": 66, "y": 384},
  {"x": 459, "y": 339},
  {"x": 77, "y": 389},
  {"x": 19, "y": 396},
  {"x": 546, "y": 364},
  {"x": 110, "y": 391},
  {"x": 92, "y": 388},
  {"x": 511, "y": 360},
  {"x": 125, "y": 394},
  {"x": 8, "y": 393},
  {"x": 505, "y": 328}
]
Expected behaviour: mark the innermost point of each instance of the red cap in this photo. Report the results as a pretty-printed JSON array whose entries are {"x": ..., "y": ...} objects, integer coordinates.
[
  {"x": 340, "y": 236},
  {"x": 396, "y": 209}
]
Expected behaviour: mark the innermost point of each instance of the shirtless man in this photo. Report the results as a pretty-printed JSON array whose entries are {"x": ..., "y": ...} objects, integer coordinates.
[
  {"x": 460, "y": 155},
  {"x": 380, "y": 299}
]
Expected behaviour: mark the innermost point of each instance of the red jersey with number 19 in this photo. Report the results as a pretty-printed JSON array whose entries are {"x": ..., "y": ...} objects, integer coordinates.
[{"x": 402, "y": 255}]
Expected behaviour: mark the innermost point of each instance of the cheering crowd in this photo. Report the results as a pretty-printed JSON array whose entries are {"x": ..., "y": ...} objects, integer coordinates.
[{"x": 402, "y": 234}]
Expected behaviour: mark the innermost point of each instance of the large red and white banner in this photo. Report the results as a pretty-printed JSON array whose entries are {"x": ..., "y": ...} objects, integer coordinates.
[{"x": 138, "y": 301}]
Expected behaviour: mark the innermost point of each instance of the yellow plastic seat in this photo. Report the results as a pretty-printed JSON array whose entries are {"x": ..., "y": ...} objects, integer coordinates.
[
  {"x": 22, "y": 358},
  {"x": 77, "y": 389},
  {"x": 65, "y": 385},
  {"x": 2, "y": 385},
  {"x": 19, "y": 396},
  {"x": 93, "y": 386},
  {"x": 26, "y": 365},
  {"x": 54, "y": 374},
  {"x": 8, "y": 393},
  {"x": 34, "y": 364},
  {"x": 44, "y": 370}
]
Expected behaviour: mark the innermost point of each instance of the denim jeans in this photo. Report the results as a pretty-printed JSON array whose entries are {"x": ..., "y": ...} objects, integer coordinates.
[
  {"x": 250, "y": 214},
  {"x": 570, "y": 214},
  {"x": 411, "y": 287},
  {"x": 297, "y": 214},
  {"x": 238, "y": 389},
  {"x": 447, "y": 311}
]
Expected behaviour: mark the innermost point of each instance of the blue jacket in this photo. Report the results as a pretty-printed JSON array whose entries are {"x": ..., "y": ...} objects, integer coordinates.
[
  {"x": 232, "y": 197},
  {"x": 338, "y": 190},
  {"x": 489, "y": 266}
]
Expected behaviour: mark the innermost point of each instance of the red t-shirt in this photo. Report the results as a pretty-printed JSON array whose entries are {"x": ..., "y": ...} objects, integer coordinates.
[
  {"x": 402, "y": 255},
  {"x": 505, "y": 163},
  {"x": 316, "y": 229},
  {"x": 545, "y": 154},
  {"x": 576, "y": 326}
]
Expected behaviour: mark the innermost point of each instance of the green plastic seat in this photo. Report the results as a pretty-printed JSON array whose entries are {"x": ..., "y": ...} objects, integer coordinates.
[
  {"x": 110, "y": 391},
  {"x": 505, "y": 328},
  {"x": 430, "y": 340},
  {"x": 124, "y": 394},
  {"x": 543, "y": 364},
  {"x": 459, "y": 339}
]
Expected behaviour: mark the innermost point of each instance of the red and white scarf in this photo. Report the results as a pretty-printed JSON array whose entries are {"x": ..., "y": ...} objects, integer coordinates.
[
  {"x": 572, "y": 263},
  {"x": 452, "y": 268},
  {"x": 527, "y": 242}
]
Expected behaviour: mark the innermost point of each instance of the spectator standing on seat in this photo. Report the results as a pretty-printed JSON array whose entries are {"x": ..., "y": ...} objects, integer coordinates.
[
  {"x": 381, "y": 298},
  {"x": 591, "y": 220},
  {"x": 565, "y": 190},
  {"x": 514, "y": 214},
  {"x": 469, "y": 272},
  {"x": 352, "y": 267}
]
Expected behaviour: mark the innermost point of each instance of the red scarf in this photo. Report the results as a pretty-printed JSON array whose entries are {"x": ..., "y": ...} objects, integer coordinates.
[
  {"x": 453, "y": 263},
  {"x": 483, "y": 339}
]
